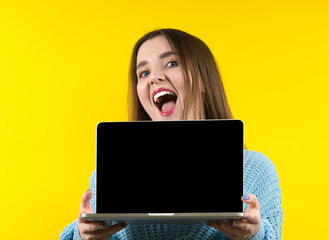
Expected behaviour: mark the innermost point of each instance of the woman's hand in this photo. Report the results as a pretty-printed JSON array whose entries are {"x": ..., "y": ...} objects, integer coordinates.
[
  {"x": 95, "y": 230},
  {"x": 245, "y": 228}
]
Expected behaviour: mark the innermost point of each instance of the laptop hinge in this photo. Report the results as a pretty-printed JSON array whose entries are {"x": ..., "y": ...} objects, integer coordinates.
[{"x": 161, "y": 214}]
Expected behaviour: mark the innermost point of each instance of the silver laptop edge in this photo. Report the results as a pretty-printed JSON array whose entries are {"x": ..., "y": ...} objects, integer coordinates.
[{"x": 143, "y": 218}]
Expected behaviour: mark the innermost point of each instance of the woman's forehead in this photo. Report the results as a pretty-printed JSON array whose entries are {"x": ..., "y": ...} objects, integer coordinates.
[{"x": 153, "y": 48}]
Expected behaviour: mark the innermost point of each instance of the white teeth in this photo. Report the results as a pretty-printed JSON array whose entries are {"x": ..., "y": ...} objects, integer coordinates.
[{"x": 162, "y": 93}]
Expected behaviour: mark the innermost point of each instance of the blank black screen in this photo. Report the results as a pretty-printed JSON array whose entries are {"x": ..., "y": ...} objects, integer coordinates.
[{"x": 169, "y": 167}]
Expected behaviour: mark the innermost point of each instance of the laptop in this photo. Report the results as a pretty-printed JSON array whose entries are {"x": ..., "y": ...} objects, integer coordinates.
[{"x": 169, "y": 171}]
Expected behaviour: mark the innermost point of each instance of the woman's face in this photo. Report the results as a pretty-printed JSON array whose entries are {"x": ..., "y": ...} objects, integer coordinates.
[{"x": 160, "y": 87}]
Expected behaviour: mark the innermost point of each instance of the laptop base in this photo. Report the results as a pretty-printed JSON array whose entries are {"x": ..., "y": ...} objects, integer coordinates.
[{"x": 162, "y": 218}]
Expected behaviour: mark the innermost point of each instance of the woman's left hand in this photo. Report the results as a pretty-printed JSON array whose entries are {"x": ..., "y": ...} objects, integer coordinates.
[{"x": 245, "y": 228}]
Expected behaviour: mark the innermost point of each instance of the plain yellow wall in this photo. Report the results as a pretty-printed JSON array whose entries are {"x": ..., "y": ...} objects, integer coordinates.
[{"x": 63, "y": 69}]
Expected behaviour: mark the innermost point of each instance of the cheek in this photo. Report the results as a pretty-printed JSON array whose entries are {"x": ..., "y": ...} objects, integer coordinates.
[
  {"x": 143, "y": 93},
  {"x": 178, "y": 80}
]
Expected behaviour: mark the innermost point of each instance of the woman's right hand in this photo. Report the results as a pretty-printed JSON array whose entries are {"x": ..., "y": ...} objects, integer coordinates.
[{"x": 95, "y": 230}]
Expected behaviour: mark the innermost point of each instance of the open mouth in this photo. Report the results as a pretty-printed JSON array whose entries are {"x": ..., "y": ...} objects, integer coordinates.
[{"x": 165, "y": 100}]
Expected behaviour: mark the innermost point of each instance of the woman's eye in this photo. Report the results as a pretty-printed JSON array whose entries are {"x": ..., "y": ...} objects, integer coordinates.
[
  {"x": 172, "y": 64},
  {"x": 144, "y": 74}
]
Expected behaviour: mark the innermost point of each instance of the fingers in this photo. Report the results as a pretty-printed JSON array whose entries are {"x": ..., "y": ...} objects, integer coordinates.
[
  {"x": 243, "y": 225},
  {"x": 243, "y": 228},
  {"x": 253, "y": 218},
  {"x": 251, "y": 200},
  {"x": 91, "y": 227},
  {"x": 109, "y": 231},
  {"x": 226, "y": 228},
  {"x": 85, "y": 206},
  {"x": 95, "y": 230},
  {"x": 100, "y": 230},
  {"x": 252, "y": 212}
]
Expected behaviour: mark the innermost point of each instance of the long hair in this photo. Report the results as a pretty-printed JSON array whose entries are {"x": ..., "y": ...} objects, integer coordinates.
[{"x": 202, "y": 78}]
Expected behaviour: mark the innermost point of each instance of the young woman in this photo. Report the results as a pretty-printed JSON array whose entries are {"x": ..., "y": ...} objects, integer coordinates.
[{"x": 174, "y": 76}]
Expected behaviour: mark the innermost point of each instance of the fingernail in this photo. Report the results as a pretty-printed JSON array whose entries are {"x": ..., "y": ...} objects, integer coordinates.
[
  {"x": 245, "y": 197},
  {"x": 246, "y": 218},
  {"x": 233, "y": 224},
  {"x": 87, "y": 191}
]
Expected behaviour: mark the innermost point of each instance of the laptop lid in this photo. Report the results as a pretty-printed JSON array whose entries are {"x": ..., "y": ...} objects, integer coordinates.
[{"x": 169, "y": 167}]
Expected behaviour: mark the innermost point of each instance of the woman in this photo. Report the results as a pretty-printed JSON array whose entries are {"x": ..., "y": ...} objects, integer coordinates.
[{"x": 174, "y": 76}]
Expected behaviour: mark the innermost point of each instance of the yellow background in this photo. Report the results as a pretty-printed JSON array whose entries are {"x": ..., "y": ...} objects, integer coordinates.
[{"x": 63, "y": 69}]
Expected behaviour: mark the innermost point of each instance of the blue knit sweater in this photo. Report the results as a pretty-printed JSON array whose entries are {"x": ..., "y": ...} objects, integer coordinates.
[{"x": 260, "y": 178}]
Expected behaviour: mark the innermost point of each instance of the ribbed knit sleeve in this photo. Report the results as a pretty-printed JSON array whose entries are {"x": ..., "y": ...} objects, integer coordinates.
[
  {"x": 261, "y": 179},
  {"x": 92, "y": 187},
  {"x": 71, "y": 231},
  {"x": 68, "y": 232}
]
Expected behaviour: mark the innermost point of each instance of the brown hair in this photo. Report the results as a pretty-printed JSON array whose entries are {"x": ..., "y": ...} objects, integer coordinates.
[{"x": 202, "y": 78}]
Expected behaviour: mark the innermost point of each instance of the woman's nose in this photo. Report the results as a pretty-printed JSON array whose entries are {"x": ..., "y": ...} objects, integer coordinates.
[{"x": 156, "y": 78}]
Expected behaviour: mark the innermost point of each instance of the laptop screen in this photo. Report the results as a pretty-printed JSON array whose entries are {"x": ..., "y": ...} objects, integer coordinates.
[{"x": 169, "y": 167}]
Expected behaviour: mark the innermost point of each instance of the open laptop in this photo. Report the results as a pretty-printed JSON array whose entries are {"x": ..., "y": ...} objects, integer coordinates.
[{"x": 169, "y": 172}]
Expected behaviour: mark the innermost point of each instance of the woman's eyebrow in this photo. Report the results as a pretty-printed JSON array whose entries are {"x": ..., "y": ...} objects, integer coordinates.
[
  {"x": 166, "y": 54},
  {"x": 161, "y": 56},
  {"x": 141, "y": 64}
]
